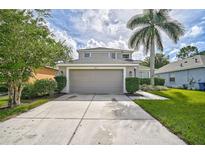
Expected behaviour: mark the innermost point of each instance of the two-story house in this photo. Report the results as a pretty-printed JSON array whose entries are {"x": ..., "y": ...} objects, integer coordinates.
[{"x": 101, "y": 70}]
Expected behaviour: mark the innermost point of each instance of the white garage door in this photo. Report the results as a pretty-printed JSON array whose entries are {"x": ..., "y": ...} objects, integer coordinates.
[{"x": 96, "y": 81}]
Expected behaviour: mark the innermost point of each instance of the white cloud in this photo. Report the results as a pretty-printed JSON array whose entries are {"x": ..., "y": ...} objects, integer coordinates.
[
  {"x": 198, "y": 44},
  {"x": 194, "y": 31},
  {"x": 174, "y": 51},
  {"x": 92, "y": 43},
  {"x": 103, "y": 25},
  {"x": 173, "y": 59},
  {"x": 119, "y": 44},
  {"x": 138, "y": 55},
  {"x": 62, "y": 36}
]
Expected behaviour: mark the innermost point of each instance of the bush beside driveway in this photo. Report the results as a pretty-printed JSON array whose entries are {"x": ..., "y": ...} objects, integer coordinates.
[{"x": 183, "y": 113}]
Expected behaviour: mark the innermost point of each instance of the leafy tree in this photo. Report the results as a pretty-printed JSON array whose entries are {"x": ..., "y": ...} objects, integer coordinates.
[
  {"x": 188, "y": 51},
  {"x": 160, "y": 60},
  {"x": 147, "y": 28},
  {"x": 25, "y": 44},
  {"x": 202, "y": 53}
]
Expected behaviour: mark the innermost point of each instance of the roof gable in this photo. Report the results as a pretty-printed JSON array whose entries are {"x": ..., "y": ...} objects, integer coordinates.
[{"x": 188, "y": 63}]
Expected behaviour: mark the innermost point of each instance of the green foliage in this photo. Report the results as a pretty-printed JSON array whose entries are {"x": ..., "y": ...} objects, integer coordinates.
[
  {"x": 26, "y": 44},
  {"x": 3, "y": 101},
  {"x": 3, "y": 88},
  {"x": 28, "y": 91},
  {"x": 157, "y": 81},
  {"x": 183, "y": 113},
  {"x": 160, "y": 60},
  {"x": 202, "y": 53},
  {"x": 146, "y": 81},
  {"x": 61, "y": 82},
  {"x": 132, "y": 84},
  {"x": 45, "y": 87},
  {"x": 188, "y": 51},
  {"x": 10, "y": 112},
  {"x": 148, "y": 26},
  {"x": 147, "y": 32}
]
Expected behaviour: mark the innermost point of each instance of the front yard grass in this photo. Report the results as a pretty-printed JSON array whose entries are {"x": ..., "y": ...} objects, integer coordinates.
[
  {"x": 26, "y": 105},
  {"x": 3, "y": 101},
  {"x": 183, "y": 113}
]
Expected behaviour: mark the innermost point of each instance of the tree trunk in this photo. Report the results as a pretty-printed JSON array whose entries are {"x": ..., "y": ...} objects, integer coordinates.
[
  {"x": 18, "y": 91},
  {"x": 14, "y": 95},
  {"x": 152, "y": 62},
  {"x": 10, "y": 93},
  {"x": 17, "y": 96}
]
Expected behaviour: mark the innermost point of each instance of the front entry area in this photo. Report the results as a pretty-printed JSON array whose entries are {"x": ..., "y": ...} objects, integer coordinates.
[{"x": 96, "y": 81}]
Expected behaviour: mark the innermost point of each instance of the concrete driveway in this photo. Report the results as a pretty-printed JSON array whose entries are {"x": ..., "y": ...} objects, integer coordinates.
[{"x": 86, "y": 119}]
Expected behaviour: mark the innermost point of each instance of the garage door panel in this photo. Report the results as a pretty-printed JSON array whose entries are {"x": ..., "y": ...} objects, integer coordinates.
[{"x": 96, "y": 81}]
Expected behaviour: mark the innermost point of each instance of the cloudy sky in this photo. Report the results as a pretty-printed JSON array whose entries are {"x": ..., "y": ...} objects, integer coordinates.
[{"x": 107, "y": 28}]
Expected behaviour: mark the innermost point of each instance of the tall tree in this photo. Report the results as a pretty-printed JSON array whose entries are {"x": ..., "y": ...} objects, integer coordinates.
[
  {"x": 25, "y": 44},
  {"x": 188, "y": 51},
  {"x": 160, "y": 60},
  {"x": 147, "y": 28}
]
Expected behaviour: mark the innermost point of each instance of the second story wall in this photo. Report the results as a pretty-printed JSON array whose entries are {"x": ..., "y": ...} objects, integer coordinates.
[{"x": 105, "y": 56}]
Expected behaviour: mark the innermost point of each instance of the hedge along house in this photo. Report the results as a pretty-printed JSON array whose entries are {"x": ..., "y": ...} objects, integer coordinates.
[
  {"x": 101, "y": 71},
  {"x": 186, "y": 73}
]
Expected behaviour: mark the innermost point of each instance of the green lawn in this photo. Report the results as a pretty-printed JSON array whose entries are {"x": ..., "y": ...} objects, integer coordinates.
[
  {"x": 183, "y": 114},
  {"x": 3, "y": 101},
  {"x": 25, "y": 106}
]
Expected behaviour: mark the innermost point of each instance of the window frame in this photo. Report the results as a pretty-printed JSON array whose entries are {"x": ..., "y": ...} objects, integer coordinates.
[
  {"x": 172, "y": 77},
  {"x": 126, "y": 54}
]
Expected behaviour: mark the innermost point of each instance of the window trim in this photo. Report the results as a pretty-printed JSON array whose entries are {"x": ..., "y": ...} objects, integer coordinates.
[{"x": 113, "y": 53}]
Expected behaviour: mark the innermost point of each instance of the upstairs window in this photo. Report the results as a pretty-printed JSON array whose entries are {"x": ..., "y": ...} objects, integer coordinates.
[
  {"x": 113, "y": 55},
  {"x": 87, "y": 55},
  {"x": 126, "y": 56}
]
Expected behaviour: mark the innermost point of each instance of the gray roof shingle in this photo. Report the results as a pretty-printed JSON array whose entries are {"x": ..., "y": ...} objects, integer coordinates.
[
  {"x": 103, "y": 48},
  {"x": 197, "y": 61}
]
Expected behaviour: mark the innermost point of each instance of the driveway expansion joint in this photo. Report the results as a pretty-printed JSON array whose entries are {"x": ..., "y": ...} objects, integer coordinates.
[{"x": 80, "y": 121}]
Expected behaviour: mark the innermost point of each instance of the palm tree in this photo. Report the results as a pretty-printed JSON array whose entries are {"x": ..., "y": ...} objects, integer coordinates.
[{"x": 147, "y": 28}]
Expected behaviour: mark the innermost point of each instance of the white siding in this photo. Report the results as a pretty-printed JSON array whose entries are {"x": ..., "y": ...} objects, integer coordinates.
[{"x": 183, "y": 77}]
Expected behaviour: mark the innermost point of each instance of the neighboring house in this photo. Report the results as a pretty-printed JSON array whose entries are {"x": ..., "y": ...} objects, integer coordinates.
[
  {"x": 186, "y": 73},
  {"x": 101, "y": 70},
  {"x": 43, "y": 73}
]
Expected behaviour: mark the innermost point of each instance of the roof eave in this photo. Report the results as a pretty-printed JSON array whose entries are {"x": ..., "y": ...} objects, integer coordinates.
[
  {"x": 87, "y": 65},
  {"x": 177, "y": 70}
]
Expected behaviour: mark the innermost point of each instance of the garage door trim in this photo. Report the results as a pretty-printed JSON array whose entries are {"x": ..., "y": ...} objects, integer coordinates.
[{"x": 95, "y": 68}]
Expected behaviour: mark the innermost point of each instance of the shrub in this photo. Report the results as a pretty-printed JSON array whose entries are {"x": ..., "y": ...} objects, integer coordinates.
[
  {"x": 159, "y": 81},
  {"x": 45, "y": 87},
  {"x": 145, "y": 87},
  {"x": 61, "y": 82},
  {"x": 147, "y": 81},
  {"x": 132, "y": 84},
  {"x": 28, "y": 92},
  {"x": 3, "y": 88}
]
